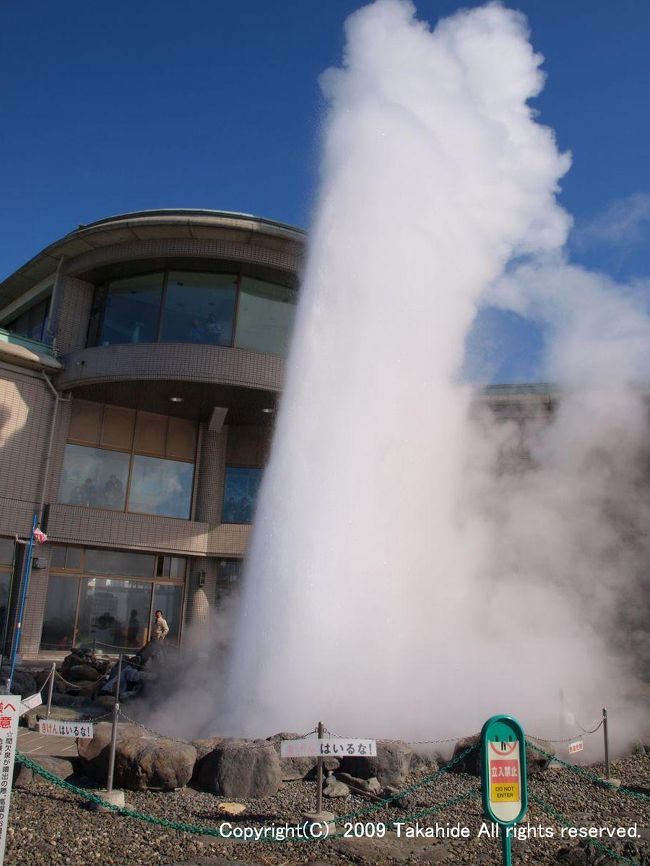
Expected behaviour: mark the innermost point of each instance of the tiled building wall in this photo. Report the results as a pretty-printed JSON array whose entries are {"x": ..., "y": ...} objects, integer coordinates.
[
  {"x": 209, "y": 497},
  {"x": 72, "y": 314},
  {"x": 26, "y": 413},
  {"x": 286, "y": 257}
]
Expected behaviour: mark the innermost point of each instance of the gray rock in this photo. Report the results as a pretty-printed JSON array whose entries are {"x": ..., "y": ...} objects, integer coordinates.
[
  {"x": 205, "y": 746},
  {"x": 60, "y": 767},
  {"x": 142, "y": 761},
  {"x": 333, "y": 788},
  {"x": 240, "y": 769},
  {"x": 369, "y": 786},
  {"x": 78, "y": 673},
  {"x": 23, "y": 683},
  {"x": 391, "y": 766},
  {"x": 423, "y": 765}
]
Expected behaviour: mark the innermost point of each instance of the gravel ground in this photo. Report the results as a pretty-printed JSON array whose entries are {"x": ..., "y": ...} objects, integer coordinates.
[{"x": 49, "y": 827}]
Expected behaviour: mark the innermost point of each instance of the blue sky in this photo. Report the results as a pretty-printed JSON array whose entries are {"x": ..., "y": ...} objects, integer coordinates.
[{"x": 108, "y": 108}]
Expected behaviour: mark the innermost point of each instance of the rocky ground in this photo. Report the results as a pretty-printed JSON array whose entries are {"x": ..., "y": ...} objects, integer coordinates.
[{"x": 50, "y": 827}]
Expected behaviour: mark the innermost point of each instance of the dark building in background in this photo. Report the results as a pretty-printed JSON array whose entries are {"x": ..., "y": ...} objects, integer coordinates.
[{"x": 140, "y": 361}]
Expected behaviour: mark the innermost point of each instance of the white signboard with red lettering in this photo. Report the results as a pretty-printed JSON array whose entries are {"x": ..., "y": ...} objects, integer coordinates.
[
  {"x": 55, "y": 728},
  {"x": 504, "y": 766},
  {"x": 9, "y": 715},
  {"x": 310, "y": 747},
  {"x": 576, "y": 746}
]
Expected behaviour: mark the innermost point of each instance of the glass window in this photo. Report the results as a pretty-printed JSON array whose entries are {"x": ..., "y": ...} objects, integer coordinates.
[
  {"x": 240, "y": 493},
  {"x": 171, "y": 566},
  {"x": 161, "y": 487},
  {"x": 169, "y": 599},
  {"x": 265, "y": 316},
  {"x": 132, "y": 310},
  {"x": 113, "y": 614},
  {"x": 62, "y": 556},
  {"x": 199, "y": 308},
  {"x": 119, "y": 562},
  {"x": 6, "y": 551},
  {"x": 94, "y": 477},
  {"x": 31, "y": 323},
  {"x": 60, "y": 611},
  {"x": 230, "y": 570}
]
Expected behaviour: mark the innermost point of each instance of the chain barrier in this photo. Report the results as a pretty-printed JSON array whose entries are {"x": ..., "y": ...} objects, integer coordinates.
[
  {"x": 592, "y": 777},
  {"x": 413, "y": 742},
  {"x": 568, "y": 739},
  {"x": 253, "y": 745},
  {"x": 562, "y": 821},
  {"x": 468, "y": 736},
  {"x": 67, "y": 682},
  {"x": 427, "y": 780},
  {"x": 592, "y": 730},
  {"x": 216, "y": 831},
  {"x": 89, "y": 721}
]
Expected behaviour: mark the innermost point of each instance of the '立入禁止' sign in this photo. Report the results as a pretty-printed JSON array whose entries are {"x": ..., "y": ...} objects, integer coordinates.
[
  {"x": 310, "y": 747},
  {"x": 9, "y": 715},
  {"x": 83, "y": 730}
]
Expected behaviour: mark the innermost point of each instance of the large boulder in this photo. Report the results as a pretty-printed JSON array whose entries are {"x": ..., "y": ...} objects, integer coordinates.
[
  {"x": 83, "y": 673},
  {"x": 23, "y": 682},
  {"x": 60, "y": 767},
  {"x": 142, "y": 761},
  {"x": 391, "y": 766},
  {"x": 471, "y": 763},
  {"x": 241, "y": 769},
  {"x": 299, "y": 768}
]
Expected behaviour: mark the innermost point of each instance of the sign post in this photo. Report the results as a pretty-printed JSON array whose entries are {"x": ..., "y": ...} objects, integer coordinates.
[
  {"x": 503, "y": 776},
  {"x": 321, "y": 747},
  {"x": 9, "y": 715}
]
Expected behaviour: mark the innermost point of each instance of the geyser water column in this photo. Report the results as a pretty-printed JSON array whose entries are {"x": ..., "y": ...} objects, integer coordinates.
[{"x": 356, "y": 604}]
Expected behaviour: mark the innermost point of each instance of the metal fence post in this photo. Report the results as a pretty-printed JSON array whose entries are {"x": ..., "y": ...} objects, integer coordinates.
[
  {"x": 319, "y": 774},
  {"x": 51, "y": 689},
  {"x": 606, "y": 738},
  {"x": 116, "y": 715}
]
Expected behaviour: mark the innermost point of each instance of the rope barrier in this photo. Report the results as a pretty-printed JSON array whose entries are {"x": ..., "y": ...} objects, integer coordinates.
[
  {"x": 427, "y": 780},
  {"x": 253, "y": 745},
  {"x": 564, "y": 823},
  {"x": 592, "y": 777},
  {"x": 217, "y": 831},
  {"x": 67, "y": 682}
]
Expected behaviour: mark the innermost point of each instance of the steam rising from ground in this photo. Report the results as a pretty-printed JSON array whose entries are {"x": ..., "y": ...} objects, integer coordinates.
[{"x": 416, "y": 565}]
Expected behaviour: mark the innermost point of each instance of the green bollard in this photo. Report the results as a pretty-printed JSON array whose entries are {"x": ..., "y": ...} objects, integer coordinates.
[{"x": 504, "y": 780}]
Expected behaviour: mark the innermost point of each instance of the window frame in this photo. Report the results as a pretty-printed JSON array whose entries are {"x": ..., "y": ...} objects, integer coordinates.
[
  {"x": 238, "y": 271},
  {"x": 153, "y": 580},
  {"x": 133, "y": 452},
  {"x": 228, "y": 466}
]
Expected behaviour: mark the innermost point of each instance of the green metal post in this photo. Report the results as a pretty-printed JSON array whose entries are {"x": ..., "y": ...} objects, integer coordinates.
[{"x": 506, "y": 846}]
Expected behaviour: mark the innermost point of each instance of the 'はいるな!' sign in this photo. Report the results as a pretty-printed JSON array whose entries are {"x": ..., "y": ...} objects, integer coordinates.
[{"x": 503, "y": 754}]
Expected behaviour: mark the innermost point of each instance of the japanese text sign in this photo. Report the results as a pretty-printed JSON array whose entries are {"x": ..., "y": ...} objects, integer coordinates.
[
  {"x": 310, "y": 747},
  {"x": 9, "y": 715},
  {"x": 503, "y": 769},
  {"x": 83, "y": 730}
]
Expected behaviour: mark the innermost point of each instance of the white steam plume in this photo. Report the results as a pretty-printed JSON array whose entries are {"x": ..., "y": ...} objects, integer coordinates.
[{"x": 403, "y": 579}]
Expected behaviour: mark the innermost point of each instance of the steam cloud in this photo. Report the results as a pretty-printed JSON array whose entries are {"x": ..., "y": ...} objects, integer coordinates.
[{"x": 416, "y": 564}]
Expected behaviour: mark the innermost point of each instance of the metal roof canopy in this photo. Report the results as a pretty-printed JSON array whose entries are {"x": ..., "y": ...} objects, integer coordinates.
[{"x": 142, "y": 225}]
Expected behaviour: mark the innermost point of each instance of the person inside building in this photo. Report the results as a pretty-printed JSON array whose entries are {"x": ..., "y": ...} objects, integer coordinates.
[{"x": 160, "y": 628}]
